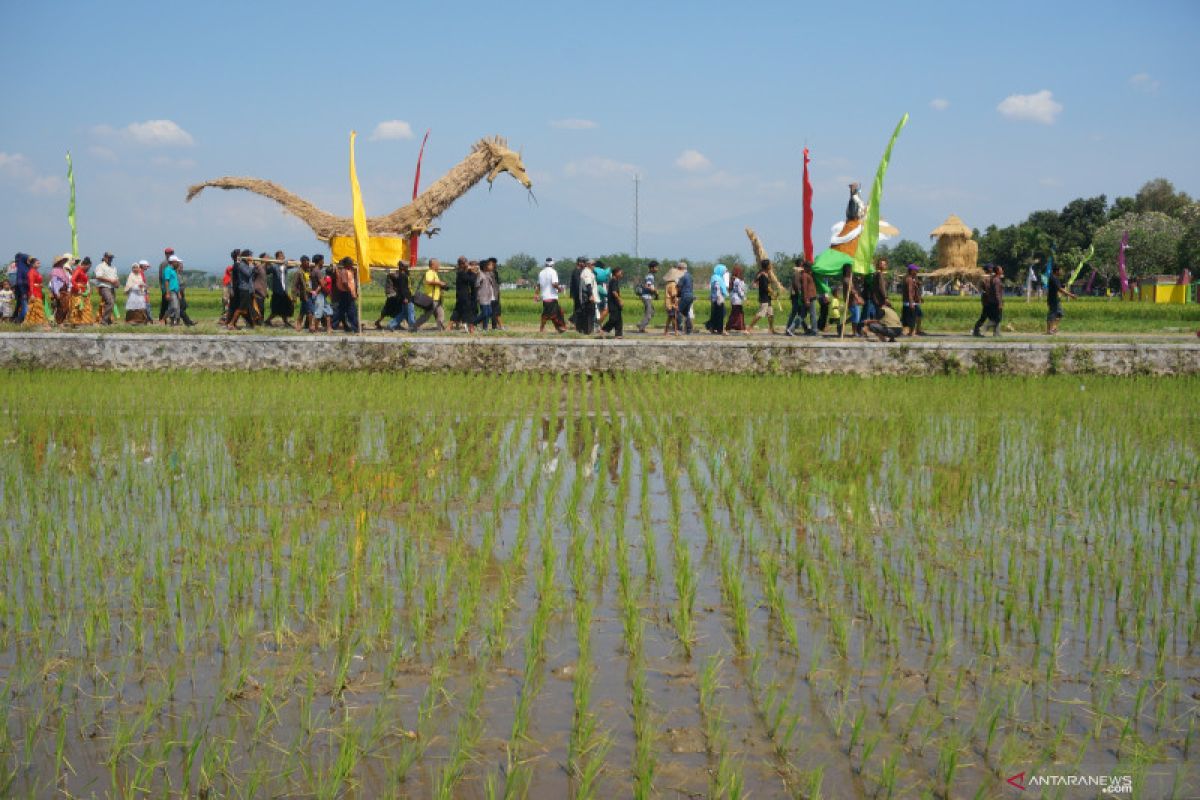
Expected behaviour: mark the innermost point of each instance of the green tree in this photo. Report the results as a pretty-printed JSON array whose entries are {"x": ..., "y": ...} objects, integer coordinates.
[
  {"x": 1189, "y": 244},
  {"x": 521, "y": 265},
  {"x": 903, "y": 253},
  {"x": 1154, "y": 240},
  {"x": 1079, "y": 221},
  {"x": 1160, "y": 195},
  {"x": 1122, "y": 206}
]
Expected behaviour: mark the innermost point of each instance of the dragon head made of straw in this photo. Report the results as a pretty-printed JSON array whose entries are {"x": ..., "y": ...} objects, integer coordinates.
[{"x": 504, "y": 160}]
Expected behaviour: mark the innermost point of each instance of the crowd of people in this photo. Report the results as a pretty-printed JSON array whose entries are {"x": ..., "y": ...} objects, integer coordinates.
[
  {"x": 597, "y": 303},
  {"x": 77, "y": 292},
  {"x": 324, "y": 298}
]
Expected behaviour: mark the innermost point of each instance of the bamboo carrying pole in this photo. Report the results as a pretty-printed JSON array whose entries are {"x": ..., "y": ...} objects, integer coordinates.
[{"x": 294, "y": 263}]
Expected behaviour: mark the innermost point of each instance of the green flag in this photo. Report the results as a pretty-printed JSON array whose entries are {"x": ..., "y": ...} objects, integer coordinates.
[
  {"x": 71, "y": 208},
  {"x": 864, "y": 256},
  {"x": 1079, "y": 268}
]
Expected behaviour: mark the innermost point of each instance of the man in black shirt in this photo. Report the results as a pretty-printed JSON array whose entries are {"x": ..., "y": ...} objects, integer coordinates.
[
  {"x": 1054, "y": 301},
  {"x": 764, "y": 282},
  {"x": 576, "y": 298},
  {"x": 615, "y": 321},
  {"x": 243, "y": 281},
  {"x": 407, "y": 312}
]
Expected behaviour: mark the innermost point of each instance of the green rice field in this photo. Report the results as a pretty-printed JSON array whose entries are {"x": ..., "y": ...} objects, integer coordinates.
[{"x": 528, "y": 586}]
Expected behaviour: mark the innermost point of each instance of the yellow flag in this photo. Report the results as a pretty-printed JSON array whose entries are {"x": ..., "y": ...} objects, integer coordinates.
[{"x": 362, "y": 239}]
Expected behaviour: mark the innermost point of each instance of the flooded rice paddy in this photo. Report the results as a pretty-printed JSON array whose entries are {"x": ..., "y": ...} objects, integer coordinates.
[{"x": 651, "y": 586}]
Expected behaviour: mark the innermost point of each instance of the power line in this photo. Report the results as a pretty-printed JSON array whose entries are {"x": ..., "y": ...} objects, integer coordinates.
[{"x": 636, "y": 214}]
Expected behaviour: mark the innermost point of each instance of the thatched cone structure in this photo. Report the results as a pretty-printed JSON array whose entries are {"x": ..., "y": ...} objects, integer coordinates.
[{"x": 957, "y": 252}]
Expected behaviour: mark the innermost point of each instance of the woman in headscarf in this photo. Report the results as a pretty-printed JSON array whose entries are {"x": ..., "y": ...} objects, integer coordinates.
[
  {"x": 36, "y": 315},
  {"x": 60, "y": 288},
  {"x": 717, "y": 292},
  {"x": 82, "y": 312},
  {"x": 737, "y": 302},
  {"x": 136, "y": 293}
]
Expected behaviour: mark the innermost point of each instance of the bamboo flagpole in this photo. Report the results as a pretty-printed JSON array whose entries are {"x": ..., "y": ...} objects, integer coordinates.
[
  {"x": 415, "y": 239},
  {"x": 362, "y": 238}
]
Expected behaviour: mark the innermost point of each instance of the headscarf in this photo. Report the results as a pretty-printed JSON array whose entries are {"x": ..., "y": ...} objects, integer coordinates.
[
  {"x": 718, "y": 280},
  {"x": 22, "y": 270}
]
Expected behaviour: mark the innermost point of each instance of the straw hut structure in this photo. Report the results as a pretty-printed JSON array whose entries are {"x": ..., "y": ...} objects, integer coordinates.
[{"x": 957, "y": 252}]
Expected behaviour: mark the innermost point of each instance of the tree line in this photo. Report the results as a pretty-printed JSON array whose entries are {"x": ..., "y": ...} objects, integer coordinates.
[{"x": 1163, "y": 226}]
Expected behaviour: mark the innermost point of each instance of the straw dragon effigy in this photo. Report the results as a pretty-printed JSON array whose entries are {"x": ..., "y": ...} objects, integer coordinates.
[{"x": 389, "y": 233}]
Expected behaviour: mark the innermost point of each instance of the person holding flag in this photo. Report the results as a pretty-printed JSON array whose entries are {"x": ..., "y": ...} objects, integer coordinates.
[{"x": 1054, "y": 290}]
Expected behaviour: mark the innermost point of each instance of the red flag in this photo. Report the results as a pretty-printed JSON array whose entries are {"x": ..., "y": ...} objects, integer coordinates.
[
  {"x": 415, "y": 239},
  {"x": 808, "y": 217}
]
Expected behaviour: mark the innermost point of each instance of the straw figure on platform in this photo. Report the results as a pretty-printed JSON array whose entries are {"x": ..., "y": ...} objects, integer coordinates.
[{"x": 957, "y": 253}]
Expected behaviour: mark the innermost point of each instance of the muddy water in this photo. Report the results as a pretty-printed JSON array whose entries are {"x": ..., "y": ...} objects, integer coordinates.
[{"x": 929, "y": 607}]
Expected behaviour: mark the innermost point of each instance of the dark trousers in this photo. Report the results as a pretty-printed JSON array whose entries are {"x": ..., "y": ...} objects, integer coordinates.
[
  {"x": 823, "y": 316},
  {"x": 991, "y": 315},
  {"x": 183, "y": 307},
  {"x": 685, "y": 314},
  {"x": 20, "y": 304},
  {"x": 162, "y": 307},
  {"x": 587, "y": 317},
  {"x": 486, "y": 315},
  {"x": 716, "y": 323},
  {"x": 107, "y": 302},
  {"x": 614, "y": 323},
  {"x": 796, "y": 317},
  {"x": 346, "y": 311}
]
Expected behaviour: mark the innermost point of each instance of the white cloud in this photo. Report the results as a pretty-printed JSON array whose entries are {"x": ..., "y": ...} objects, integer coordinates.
[
  {"x": 15, "y": 165},
  {"x": 1037, "y": 107},
  {"x": 939, "y": 104},
  {"x": 102, "y": 153},
  {"x": 47, "y": 185},
  {"x": 159, "y": 132},
  {"x": 17, "y": 169},
  {"x": 597, "y": 167},
  {"x": 392, "y": 129},
  {"x": 1144, "y": 83},
  {"x": 692, "y": 161},
  {"x": 572, "y": 124}
]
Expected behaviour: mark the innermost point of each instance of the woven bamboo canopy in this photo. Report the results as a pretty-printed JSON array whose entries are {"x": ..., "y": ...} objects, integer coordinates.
[{"x": 957, "y": 251}]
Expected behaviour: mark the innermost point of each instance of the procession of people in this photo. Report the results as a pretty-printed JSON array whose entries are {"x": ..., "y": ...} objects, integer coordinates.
[{"x": 309, "y": 295}]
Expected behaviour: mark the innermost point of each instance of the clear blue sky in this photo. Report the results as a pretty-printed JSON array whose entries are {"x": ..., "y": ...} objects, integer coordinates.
[{"x": 1014, "y": 107}]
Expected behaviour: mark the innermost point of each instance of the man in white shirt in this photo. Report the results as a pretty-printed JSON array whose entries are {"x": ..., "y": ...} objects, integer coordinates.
[
  {"x": 106, "y": 279},
  {"x": 548, "y": 290}
]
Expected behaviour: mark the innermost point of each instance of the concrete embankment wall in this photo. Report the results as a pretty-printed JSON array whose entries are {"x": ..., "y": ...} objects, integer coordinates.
[{"x": 686, "y": 354}]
